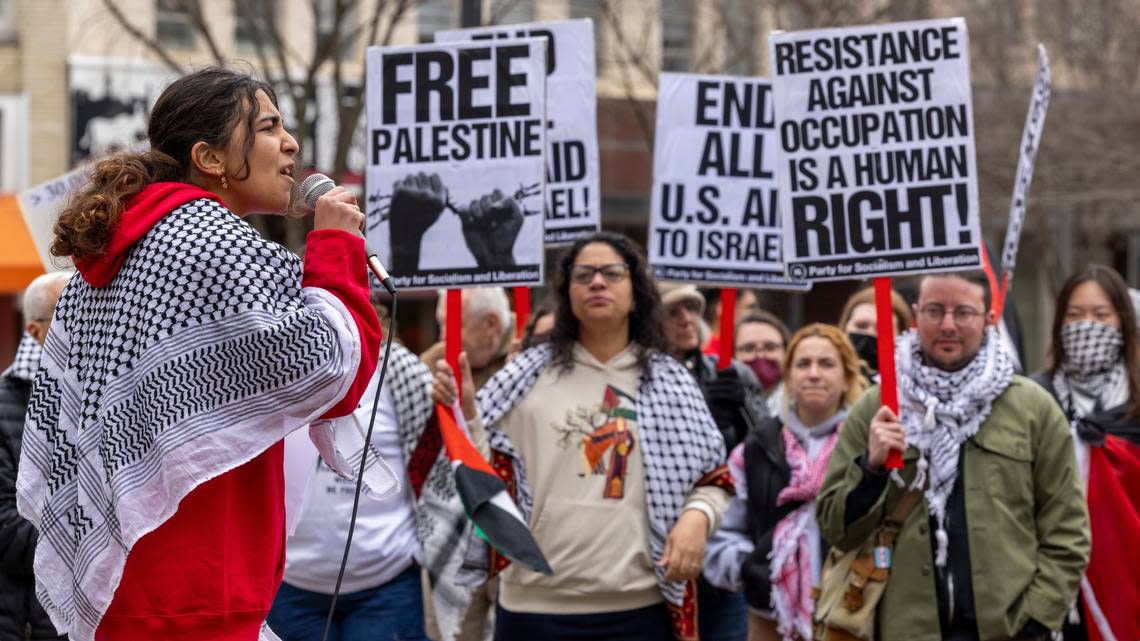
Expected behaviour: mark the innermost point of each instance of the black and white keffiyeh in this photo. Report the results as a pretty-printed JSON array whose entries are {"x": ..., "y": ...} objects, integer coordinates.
[
  {"x": 940, "y": 410},
  {"x": 679, "y": 440},
  {"x": 201, "y": 353},
  {"x": 1093, "y": 371},
  {"x": 27, "y": 359}
]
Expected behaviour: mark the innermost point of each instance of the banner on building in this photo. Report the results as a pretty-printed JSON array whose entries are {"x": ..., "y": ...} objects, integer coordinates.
[
  {"x": 877, "y": 171},
  {"x": 456, "y": 151},
  {"x": 573, "y": 197},
  {"x": 714, "y": 216}
]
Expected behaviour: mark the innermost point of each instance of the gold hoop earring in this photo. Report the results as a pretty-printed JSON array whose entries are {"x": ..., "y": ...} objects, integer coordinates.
[{"x": 225, "y": 184}]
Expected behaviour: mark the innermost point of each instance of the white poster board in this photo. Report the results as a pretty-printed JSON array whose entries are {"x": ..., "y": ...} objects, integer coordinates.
[
  {"x": 877, "y": 169},
  {"x": 713, "y": 216},
  {"x": 41, "y": 205},
  {"x": 456, "y": 151},
  {"x": 573, "y": 197}
]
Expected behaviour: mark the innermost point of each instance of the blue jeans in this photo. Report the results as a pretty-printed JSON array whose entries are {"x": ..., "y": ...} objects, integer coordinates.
[
  {"x": 391, "y": 612},
  {"x": 721, "y": 615}
]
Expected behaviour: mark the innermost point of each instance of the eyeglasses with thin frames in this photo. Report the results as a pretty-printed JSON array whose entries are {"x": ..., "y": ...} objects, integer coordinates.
[
  {"x": 612, "y": 273},
  {"x": 963, "y": 315}
]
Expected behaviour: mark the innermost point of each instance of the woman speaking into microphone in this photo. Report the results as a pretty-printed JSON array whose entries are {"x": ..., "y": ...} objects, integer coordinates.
[{"x": 152, "y": 457}]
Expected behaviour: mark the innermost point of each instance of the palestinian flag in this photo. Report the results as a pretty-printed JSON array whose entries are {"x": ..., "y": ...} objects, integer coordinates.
[
  {"x": 485, "y": 499},
  {"x": 1111, "y": 587}
]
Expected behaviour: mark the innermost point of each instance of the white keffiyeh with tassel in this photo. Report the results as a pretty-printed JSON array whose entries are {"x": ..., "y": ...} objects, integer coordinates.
[{"x": 940, "y": 410}]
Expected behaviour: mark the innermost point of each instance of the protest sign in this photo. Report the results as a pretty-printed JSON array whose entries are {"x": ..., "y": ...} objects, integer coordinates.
[
  {"x": 877, "y": 172},
  {"x": 456, "y": 139},
  {"x": 41, "y": 205},
  {"x": 573, "y": 198},
  {"x": 713, "y": 214}
]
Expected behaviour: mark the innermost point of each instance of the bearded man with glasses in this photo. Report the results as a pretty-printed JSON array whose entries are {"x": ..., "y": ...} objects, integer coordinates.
[{"x": 997, "y": 548}]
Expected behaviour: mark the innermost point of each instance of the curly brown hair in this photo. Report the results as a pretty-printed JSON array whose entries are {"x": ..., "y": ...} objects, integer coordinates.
[{"x": 204, "y": 106}]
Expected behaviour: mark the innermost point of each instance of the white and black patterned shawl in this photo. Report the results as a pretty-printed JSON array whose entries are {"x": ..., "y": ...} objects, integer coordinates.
[
  {"x": 201, "y": 353},
  {"x": 680, "y": 442},
  {"x": 27, "y": 359}
]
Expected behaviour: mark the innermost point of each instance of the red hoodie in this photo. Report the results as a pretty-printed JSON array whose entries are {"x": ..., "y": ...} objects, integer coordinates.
[{"x": 211, "y": 571}]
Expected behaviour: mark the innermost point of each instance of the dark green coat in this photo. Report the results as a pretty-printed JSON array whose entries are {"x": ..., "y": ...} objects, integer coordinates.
[{"x": 1025, "y": 510}]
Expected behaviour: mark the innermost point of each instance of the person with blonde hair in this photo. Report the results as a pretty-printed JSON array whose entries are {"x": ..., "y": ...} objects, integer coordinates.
[{"x": 770, "y": 545}]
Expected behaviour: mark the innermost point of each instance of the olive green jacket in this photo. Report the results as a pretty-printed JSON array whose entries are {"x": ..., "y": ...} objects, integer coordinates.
[{"x": 1025, "y": 510}]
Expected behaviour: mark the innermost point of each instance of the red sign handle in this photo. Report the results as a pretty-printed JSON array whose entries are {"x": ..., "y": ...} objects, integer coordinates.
[
  {"x": 522, "y": 309},
  {"x": 453, "y": 334},
  {"x": 888, "y": 384},
  {"x": 727, "y": 327}
]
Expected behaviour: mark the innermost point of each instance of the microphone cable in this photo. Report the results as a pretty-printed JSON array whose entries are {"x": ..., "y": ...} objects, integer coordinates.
[{"x": 363, "y": 463}]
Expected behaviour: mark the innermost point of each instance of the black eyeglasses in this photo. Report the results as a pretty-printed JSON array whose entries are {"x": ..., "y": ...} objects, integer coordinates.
[{"x": 612, "y": 273}]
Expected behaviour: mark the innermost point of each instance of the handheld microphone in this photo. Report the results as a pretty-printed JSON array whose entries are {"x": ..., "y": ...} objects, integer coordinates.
[{"x": 318, "y": 185}]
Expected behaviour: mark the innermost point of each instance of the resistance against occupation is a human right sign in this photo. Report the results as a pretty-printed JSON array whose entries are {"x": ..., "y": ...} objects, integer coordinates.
[
  {"x": 877, "y": 168},
  {"x": 456, "y": 144},
  {"x": 713, "y": 217},
  {"x": 573, "y": 200}
]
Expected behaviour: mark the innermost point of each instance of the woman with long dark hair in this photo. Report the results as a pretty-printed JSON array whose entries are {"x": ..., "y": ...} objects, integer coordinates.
[
  {"x": 1095, "y": 377},
  {"x": 153, "y": 457},
  {"x": 613, "y": 455}
]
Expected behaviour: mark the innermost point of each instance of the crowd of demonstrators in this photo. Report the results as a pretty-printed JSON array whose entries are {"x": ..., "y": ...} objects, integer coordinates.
[
  {"x": 21, "y": 616},
  {"x": 1095, "y": 378},
  {"x": 601, "y": 429},
  {"x": 859, "y": 320},
  {"x": 761, "y": 342},
  {"x": 769, "y": 546},
  {"x": 152, "y": 454},
  {"x": 999, "y": 546},
  {"x": 381, "y": 591}
]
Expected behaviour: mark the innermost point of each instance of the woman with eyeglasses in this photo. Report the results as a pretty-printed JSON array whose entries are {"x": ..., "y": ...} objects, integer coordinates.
[
  {"x": 759, "y": 342},
  {"x": 614, "y": 457},
  {"x": 769, "y": 545},
  {"x": 1095, "y": 377}
]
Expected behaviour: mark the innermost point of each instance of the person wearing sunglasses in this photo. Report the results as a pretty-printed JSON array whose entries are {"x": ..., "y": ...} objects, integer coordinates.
[{"x": 613, "y": 456}]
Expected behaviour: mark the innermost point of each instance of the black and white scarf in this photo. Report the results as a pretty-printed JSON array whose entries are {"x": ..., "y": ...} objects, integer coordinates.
[
  {"x": 1093, "y": 372},
  {"x": 940, "y": 410},
  {"x": 201, "y": 353},
  {"x": 680, "y": 442},
  {"x": 27, "y": 359}
]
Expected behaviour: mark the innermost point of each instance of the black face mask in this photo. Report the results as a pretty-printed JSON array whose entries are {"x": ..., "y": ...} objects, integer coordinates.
[{"x": 867, "y": 347}]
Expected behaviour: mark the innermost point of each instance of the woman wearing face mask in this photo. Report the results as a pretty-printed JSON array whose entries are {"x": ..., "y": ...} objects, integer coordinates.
[
  {"x": 1095, "y": 377},
  {"x": 769, "y": 543},
  {"x": 760, "y": 341},
  {"x": 858, "y": 320}
]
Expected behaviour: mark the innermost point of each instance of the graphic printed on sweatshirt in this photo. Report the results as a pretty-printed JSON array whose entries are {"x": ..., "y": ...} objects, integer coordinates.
[{"x": 604, "y": 434}]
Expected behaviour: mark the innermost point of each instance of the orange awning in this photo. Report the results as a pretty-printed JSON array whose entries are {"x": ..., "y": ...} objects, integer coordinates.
[{"x": 19, "y": 262}]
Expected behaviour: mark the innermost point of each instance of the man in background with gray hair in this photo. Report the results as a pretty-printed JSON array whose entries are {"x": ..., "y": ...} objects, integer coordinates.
[
  {"x": 487, "y": 325},
  {"x": 21, "y": 616}
]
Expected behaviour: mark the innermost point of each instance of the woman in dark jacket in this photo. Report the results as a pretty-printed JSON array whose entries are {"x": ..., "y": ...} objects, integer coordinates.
[
  {"x": 769, "y": 544},
  {"x": 1095, "y": 377}
]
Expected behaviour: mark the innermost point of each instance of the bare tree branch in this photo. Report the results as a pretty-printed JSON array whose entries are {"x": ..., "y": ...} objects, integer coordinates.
[
  {"x": 137, "y": 34},
  {"x": 194, "y": 8}
]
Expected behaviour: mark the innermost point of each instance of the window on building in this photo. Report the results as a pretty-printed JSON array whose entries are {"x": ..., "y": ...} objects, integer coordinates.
[
  {"x": 253, "y": 20},
  {"x": 173, "y": 24},
  {"x": 590, "y": 9},
  {"x": 512, "y": 11},
  {"x": 349, "y": 34},
  {"x": 7, "y": 20},
  {"x": 435, "y": 15},
  {"x": 676, "y": 35}
]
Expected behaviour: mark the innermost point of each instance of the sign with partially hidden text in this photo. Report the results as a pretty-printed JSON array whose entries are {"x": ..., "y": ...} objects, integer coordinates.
[
  {"x": 714, "y": 216},
  {"x": 877, "y": 170},
  {"x": 456, "y": 150},
  {"x": 573, "y": 199}
]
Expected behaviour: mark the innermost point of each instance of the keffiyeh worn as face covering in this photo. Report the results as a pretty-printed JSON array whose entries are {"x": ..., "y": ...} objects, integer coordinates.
[
  {"x": 1093, "y": 368},
  {"x": 940, "y": 410}
]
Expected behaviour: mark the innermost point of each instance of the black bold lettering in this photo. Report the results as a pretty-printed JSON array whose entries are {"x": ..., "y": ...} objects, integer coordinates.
[
  {"x": 809, "y": 217},
  {"x": 469, "y": 82},
  {"x": 504, "y": 80},
  {"x": 427, "y": 84},
  {"x": 392, "y": 87}
]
